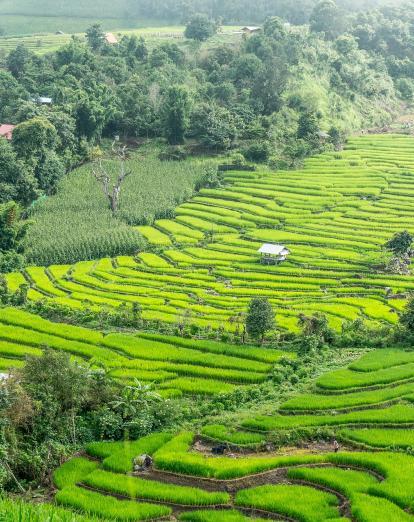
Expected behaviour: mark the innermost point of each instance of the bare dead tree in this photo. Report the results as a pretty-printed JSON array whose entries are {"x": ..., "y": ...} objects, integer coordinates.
[{"x": 111, "y": 190}]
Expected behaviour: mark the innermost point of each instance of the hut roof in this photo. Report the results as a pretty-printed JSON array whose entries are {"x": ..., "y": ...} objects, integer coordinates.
[{"x": 274, "y": 250}]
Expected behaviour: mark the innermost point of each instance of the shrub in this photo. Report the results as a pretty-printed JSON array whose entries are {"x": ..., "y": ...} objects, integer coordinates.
[{"x": 258, "y": 152}]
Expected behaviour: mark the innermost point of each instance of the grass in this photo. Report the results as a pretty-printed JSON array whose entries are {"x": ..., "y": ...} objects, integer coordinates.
[
  {"x": 345, "y": 379},
  {"x": 240, "y": 438},
  {"x": 380, "y": 359},
  {"x": 379, "y": 485},
  {"x": 399, "y": 414},
  {"x": 175, "y": 457},
  {"x": 345, "y": 481},
  {"x": 18, "y": 510},
  {"x": 319, "y": 402},
  {"x": 381, "y": 438},
  {"x": 121, "y": 461},
  {"x": 73, "y": 471},
  {"x": 107, "y": 507},
  {"x": 217, "y": 516},
  {"x": 137, "y": 488},
  {"x": 397, "y": 469},
  {"x": 299, "y": 502},
  {"x": 367, "y": 508}
]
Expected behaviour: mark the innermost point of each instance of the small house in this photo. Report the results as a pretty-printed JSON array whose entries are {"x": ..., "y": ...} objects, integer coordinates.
[
  {"x": 110, "y": 39},
  {"x": 273, "y": 254},
  {"x": 42, "y": 100},
  {"x": 6, "y": 131},
  {"x": 248, "y": 30},
  {"x": 323, "y": 136}
]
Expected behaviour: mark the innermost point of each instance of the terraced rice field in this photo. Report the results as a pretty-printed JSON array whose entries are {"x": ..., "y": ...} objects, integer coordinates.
[
  {"x": 176, "y": 365},
  {"x": 334, "y": 215},
  {"x": 43, "y": 43},
  {"x": 370, "y": 479}
]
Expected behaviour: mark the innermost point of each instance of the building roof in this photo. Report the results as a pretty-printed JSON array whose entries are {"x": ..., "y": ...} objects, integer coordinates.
[
  {"x": 251, "y": 28},
  {"x": 111, "y": 38},
  {"x": 275, "y": 250},
  {"x": 42, "y": 99},
  {"x": 323, "y": 134},
  {"x": 6, "y": 131}
]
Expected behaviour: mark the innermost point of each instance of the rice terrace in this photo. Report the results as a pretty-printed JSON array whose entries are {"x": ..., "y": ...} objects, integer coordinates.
[
  {"x": 206, "y": 261},
  {"x": 334, "y": 215}
]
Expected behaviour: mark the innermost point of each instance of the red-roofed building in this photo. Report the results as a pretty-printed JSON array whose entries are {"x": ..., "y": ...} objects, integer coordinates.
[{"x": 6, "y": 131}]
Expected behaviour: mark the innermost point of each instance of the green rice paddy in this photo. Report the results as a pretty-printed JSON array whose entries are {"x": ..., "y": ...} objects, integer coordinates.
[
  {"x": 334, "y": 215},
  {"x": 373, "y": 482},
  {"x": 177, "y": 366}
]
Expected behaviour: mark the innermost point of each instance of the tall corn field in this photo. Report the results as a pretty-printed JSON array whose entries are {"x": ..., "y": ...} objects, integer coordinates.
[{"x": 77, "y": 224}]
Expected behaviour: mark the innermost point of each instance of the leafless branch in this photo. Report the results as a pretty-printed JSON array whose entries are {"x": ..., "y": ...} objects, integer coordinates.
[{"x": 113, "y": 191}]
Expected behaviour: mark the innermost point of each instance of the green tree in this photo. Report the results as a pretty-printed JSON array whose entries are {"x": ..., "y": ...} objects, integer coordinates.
[
  {"x": 12, "y": 233},
  {"x": 18, "y": 60},
  {"x": 308, "y": 126},
  {"x": 260, "y": 318},
  {"x": 327, "y": 18},
  {"x": 200, "y": 27},
  {"x": 176, "y": 111},
  {"x": 316, "y": 332},
  {"x": 95, "y": 37},
  {"x": 32, "y": 138},
  {"x": 16, "y": 179},
  {"x": 400, "y": 244},
  {"x": 216, "y": 127},
  {"x": 407, "y": 317},
  {"x": 12, "y": 229}
]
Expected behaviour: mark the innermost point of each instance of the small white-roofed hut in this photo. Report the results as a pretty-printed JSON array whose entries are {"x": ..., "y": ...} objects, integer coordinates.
[{"x": 273, "y": 254}]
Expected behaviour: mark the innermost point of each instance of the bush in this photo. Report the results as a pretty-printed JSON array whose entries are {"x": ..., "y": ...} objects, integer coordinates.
[
  {"x": 258, "y": 152},
  {"x": 276, "y": 163}
]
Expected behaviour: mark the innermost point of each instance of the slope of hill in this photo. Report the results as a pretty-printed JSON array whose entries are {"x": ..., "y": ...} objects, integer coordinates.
[
  {"x": 370, "y": 478},
  {"x": 334, "y": 215}
]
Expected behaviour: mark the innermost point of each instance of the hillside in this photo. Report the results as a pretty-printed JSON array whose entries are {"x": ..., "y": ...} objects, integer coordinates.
[
  {"x": 369, "y": 478},
  {"x": 335, "y": 215},
  {"x": 206, "y": 261}
]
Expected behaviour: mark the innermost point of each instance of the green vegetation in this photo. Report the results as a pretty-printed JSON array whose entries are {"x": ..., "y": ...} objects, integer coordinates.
[
  {"x": 88, "y": 232},
  {"x": 12, "y": 510},
  {"x": 108, "y": 507},
  {"x": 142, "y": 173},
  {"x": 189, "y": 366},
  {"x": 381, "y": 438},
  {"x": 137, "y": 488},
  {"x": 217, "y": 516},
  {"x": 239, "y": 438},
  {"x": 300, "y": 502},
  {"x": 210, "y": 285}
]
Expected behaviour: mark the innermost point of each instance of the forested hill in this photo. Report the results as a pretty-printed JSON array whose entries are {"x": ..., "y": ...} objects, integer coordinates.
[{"x": 28, "y": 16}]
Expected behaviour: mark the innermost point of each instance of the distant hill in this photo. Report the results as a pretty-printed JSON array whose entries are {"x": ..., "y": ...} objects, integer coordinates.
[{"x": 39, "y": 16}]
